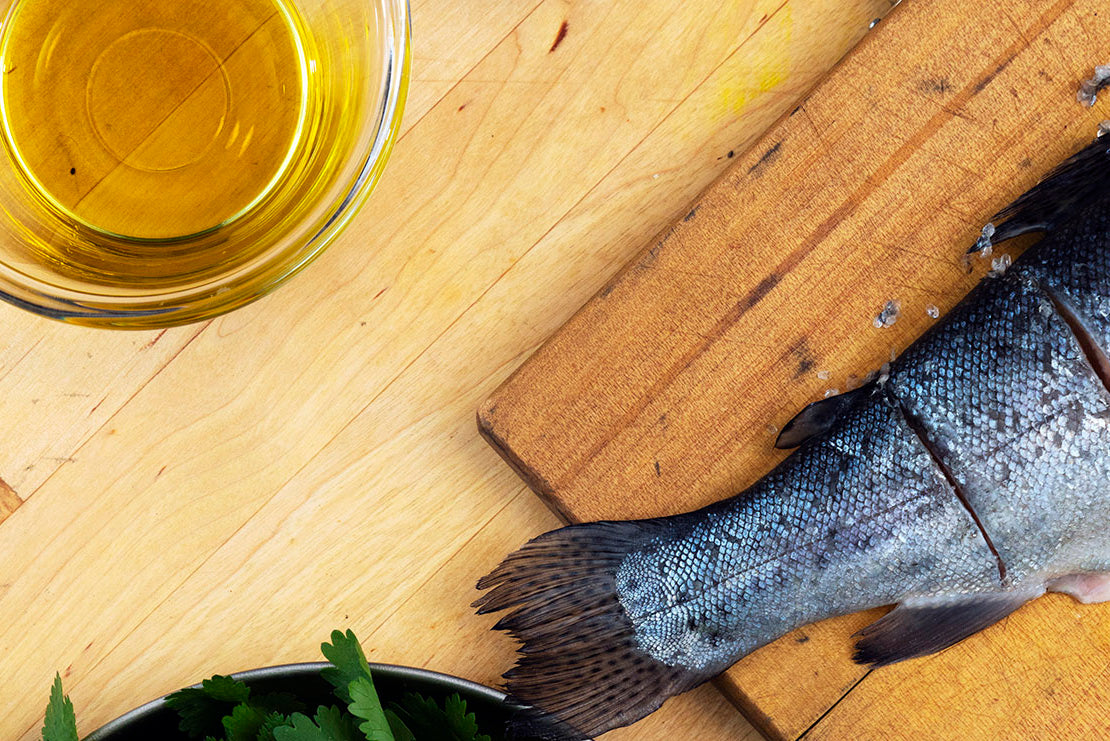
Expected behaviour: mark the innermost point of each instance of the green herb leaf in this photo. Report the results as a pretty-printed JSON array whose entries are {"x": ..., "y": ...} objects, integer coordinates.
[
  {"x": 226, "y": 689},
  {"x": 301, "y": 728},
  {"x": 273, "y": 721},
  {"x": 366, "y": 706},
  {"x": 348, "y": 663},
  {"x": 243, "y": 724},
  {"x": 304, "y": 729},
  {"x": 401, "y": 732},
  {"x": 427, "y": 720},
  {"x": 60, "y": 723},
  {"x": 285, "y": 703},
  {"x": 202, "y": 709},
  {"x": 463, "y": 724},
  {"x": 337, "y": 724}
]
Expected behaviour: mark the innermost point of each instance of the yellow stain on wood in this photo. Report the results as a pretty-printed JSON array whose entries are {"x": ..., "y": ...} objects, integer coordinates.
[{"x": 771, "y": 64}]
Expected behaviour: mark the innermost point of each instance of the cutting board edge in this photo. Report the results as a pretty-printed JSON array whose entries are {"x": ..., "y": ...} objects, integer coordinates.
[{"x": 530, "y": 476}]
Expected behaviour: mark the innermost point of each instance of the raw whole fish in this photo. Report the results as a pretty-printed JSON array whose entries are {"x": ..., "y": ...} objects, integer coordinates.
[{"x": 969, "y": 478}]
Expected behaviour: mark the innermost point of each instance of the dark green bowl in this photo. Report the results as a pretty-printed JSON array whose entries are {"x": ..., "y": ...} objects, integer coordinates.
[{"x": 491, "y": 707}]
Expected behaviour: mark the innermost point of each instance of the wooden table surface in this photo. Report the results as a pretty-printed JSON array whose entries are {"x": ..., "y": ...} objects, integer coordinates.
[{"x": 220, "y": 496}]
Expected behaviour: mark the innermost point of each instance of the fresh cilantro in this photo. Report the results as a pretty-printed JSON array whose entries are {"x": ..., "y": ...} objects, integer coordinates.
[
  {"x": 427, "y": 720},
  {"x": 278, "y": 702},
  {"x": 202, "y": 709},
  {"x": 337, "y": 724},
  {"x": 273, "y": 721},
  {"x": 348, "y": 663},
  {"x": 401, "y": 732},
  {"x": 226, "y": 689},
  {"x": 222, "y": 709},
  {"x": 301, "y": 728},
  {"x": 244, "y": 723},
  {"x": 60, "y": 723},
  {"x": 366, "y": 706}
]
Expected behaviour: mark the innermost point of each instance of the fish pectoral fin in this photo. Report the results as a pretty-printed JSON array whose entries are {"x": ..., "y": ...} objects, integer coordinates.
[
  {"x": 1087, "y": 588},
  {"x": 819, "y": 417},
  {"x": 927, "y": 625},
  {"x": 1075, "y": 182}
]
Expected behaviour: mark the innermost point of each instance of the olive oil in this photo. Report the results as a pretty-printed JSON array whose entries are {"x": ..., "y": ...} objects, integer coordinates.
[{"x": 153, "y": 134}]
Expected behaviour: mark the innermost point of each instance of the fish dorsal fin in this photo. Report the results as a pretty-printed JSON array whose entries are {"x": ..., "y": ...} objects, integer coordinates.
[
  {"x": 1075, "y": 182},
  {"x": 927, "y": 625},
  {"x": 819, "y": 417}
]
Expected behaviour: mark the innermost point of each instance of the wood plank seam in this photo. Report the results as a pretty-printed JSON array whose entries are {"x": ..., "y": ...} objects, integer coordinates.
[
  {"x": 9, "y": 500},
  {"x": 832, "y": 707}
]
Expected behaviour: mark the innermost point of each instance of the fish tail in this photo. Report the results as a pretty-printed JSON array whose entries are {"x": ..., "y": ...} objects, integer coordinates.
[{"x": 580, "y": 664}]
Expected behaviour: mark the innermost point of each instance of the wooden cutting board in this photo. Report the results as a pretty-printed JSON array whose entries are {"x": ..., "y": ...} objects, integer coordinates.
[{"x": 666, "y": 390}]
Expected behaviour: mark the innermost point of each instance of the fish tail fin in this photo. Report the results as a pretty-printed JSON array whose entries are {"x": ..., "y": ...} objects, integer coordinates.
[
  {"x": 580, "y": 664},
  {"x": 1075, "y": 183}
]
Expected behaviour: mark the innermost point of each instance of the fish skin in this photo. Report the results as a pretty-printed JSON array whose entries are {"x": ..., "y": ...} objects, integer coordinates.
[
  {"x": 859, "y": 518},
  {"x": 971, "y": 478}
]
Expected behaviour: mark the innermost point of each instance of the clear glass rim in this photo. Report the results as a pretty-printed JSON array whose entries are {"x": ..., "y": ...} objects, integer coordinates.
[{"x": 208, "y": 301}]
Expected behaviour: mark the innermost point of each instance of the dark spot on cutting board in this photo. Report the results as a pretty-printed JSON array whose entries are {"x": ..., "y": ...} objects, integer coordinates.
[
  {"x": 931, "y": 85},
  {"x": 803, "y": 638},
  {"x": 804, "y": 357},
  {"x": 462, "y": 107},
  {"x": 994, "y": 73},
  {"x": 562, "y": 34},
  {"x": 658, "y": 472},
  {"x": 73, "y": 171},
  {"x": 765, "y": 286},
  {"x": 1026, "y": 163},
  {"x": 690, "y": 216},
  {"x": 767, "y": 157},
  {"x": 730, "y": 154}
]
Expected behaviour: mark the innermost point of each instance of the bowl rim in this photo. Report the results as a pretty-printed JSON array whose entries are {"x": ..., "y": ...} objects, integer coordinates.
[{"x": 310, "y": 669}]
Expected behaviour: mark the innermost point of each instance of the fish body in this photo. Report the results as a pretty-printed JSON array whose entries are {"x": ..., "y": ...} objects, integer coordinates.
[{"x": 969, "y": 478}]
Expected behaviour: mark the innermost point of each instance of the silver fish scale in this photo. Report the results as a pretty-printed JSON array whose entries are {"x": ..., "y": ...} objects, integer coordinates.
[
  {"x": 1016, "y": 413},
  {"x": 1075, "y": 260},
  {"x": 861, "y": 509}
]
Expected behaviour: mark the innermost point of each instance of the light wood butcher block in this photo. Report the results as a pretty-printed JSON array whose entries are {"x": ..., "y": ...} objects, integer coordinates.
[{"x": 666, "y": 390}]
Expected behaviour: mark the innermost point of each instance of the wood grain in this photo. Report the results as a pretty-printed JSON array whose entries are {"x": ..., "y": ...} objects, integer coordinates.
[
  {"x": 220, "y": 496},
  {"x": 666, "y": 389}
]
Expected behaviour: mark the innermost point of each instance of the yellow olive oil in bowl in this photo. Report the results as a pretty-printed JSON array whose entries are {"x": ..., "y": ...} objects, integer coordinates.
[{"x": 168, "y": 160}]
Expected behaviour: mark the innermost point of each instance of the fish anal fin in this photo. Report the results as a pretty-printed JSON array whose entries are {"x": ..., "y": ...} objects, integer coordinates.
[
  {"x": 928, "y": 625},
  {"x": 1086, "y": 588},
  {"x": 818, "y": 418},
  {"x": 1073, "y": 184}
]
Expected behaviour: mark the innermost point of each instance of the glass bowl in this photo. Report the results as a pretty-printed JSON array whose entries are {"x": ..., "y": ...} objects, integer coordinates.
[{"x": 170, "y": 161}]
